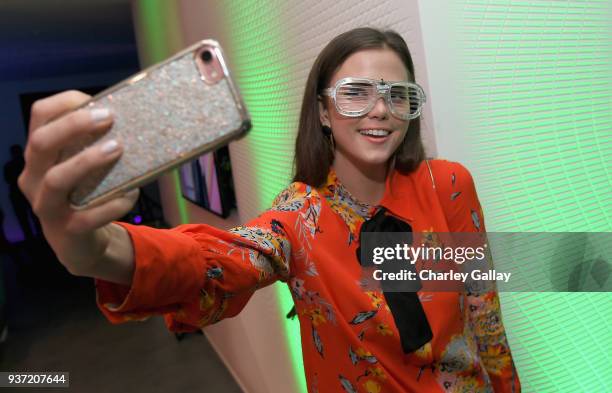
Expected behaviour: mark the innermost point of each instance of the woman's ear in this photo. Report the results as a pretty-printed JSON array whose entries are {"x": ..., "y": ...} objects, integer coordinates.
[{"x": 323, "y": 114}]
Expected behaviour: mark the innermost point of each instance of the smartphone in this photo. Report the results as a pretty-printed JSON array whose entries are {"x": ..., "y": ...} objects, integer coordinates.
[{"x": 164, "y": 116}]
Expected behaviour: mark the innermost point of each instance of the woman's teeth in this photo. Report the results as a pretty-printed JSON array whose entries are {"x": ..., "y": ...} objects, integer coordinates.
[{"x": 378, "y": 133}]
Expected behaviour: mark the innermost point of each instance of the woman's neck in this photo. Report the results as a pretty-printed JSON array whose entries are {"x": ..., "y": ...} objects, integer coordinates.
[{"x": 364, "y": 182}]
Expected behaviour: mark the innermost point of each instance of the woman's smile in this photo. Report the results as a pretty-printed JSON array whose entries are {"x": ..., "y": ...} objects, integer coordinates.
[{"x": 376, "y": 135}]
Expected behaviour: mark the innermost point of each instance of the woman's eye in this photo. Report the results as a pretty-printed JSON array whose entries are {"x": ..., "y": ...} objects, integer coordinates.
[
  {"x": 355, "y": 91},
  {"x": 399, "y": 94}
]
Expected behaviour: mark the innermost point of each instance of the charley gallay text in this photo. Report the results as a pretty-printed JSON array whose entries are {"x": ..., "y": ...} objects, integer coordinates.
[{"x": 431, "y": 275}]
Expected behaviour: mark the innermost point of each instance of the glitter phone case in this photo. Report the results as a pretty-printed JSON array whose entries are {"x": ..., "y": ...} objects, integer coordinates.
[{"x": 164, "y": 116}]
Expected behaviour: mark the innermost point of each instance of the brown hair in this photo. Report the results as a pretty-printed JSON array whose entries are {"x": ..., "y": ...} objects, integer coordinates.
[{"x": 313, "y": 154}]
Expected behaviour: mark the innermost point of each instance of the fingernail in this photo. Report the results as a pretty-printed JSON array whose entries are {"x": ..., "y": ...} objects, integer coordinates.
[
  {"x": 109, "y": 146},
  {"x": 99, "y": 114}
]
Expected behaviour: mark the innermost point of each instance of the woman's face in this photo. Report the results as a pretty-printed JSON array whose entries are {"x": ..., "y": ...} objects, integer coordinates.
[{"x": 351, "y": 144}]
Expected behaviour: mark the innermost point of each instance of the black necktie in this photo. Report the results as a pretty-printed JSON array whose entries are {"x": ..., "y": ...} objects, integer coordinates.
[{"x": 406, "y": 308}]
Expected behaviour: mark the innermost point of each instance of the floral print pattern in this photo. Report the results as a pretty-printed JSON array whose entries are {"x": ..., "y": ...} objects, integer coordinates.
[{"x": 350, "y": 341}]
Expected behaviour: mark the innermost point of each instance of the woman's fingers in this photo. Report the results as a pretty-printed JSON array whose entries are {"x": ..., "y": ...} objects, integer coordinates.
[
  {"x": 49, "y": 108},
  {"x": 61, "y": 179},
  {"x": 98, "y": 216},
  {"x": 46, "y": 143},
  {"x": 43, "y": 142}
]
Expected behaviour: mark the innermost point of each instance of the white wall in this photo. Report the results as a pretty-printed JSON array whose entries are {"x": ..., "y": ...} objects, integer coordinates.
[{"x": 441, "y": 58}]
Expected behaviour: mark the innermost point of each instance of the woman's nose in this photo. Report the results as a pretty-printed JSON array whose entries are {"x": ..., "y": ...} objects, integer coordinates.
[{"x": 380, "y": 109}]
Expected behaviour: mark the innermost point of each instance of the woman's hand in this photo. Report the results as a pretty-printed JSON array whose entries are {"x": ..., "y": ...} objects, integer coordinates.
[{"x": 81, "y": 239}]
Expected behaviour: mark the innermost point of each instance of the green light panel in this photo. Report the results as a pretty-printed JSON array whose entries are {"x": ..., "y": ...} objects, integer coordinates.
[
  {"x": 538, "y": 100},
  {"x": 264, "y": 76}
]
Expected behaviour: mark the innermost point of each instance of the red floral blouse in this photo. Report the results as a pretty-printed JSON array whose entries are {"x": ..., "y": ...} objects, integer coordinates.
[{"x": 197, "y": 275}]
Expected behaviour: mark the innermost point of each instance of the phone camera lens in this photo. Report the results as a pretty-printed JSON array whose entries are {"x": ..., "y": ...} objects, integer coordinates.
[{"x": 206, "y": 56}]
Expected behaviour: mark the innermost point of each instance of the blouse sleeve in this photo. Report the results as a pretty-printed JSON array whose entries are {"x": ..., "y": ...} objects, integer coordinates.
[
  {"x": 464, "y": 214},
  {"x": 196, "y": 274}
]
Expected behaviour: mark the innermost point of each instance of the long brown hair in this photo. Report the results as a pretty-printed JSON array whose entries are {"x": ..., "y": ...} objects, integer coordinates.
[{"x": 313, "y": 154}]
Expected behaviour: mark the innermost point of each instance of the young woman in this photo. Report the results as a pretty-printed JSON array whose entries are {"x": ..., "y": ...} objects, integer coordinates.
[{"x": 359, "y": 162}]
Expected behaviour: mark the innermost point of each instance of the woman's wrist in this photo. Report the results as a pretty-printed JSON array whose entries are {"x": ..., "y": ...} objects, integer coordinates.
[{"x": 116, "y": 263}]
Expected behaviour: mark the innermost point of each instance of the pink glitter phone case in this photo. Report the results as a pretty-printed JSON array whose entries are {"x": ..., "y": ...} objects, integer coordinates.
[{"x": 164, "y": 116}]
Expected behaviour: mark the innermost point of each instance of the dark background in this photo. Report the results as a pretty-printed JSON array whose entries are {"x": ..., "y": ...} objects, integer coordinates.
[
  {"x": 51, "y": 45},
  {"x": 48, "y": 318}
]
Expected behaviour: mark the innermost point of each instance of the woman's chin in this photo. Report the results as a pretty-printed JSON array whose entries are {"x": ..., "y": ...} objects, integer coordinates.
[
  {"x": 365, "y": 159},
  {"x": 372, "y": 163}
]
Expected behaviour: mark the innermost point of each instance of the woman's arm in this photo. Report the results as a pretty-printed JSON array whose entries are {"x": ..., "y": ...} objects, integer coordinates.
[
  {"x": 464, "y": 214},
  {"x": 196, "y": 274}
]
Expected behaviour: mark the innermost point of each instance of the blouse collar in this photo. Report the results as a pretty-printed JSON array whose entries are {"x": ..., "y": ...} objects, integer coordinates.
[
  {"x": 335, "y": 192},
  {"x": 396, "y": 198}
]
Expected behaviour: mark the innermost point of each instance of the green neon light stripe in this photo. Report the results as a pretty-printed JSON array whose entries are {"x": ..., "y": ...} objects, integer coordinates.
[
  {"x": 151, "y": 24},
  {"x": 292, "y": 333},
  {"x": 180, "y": 201},
  {"x": 263, "y": 74}
]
